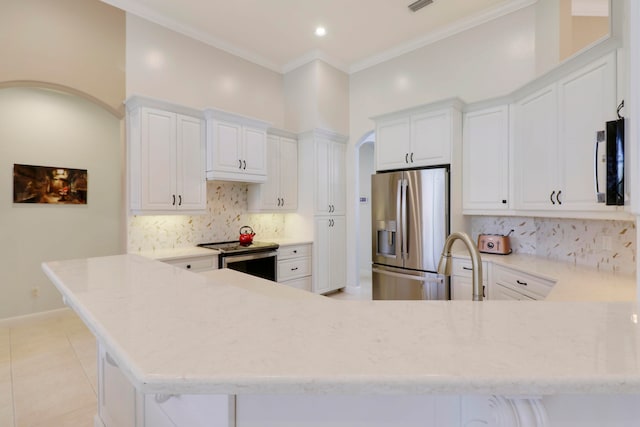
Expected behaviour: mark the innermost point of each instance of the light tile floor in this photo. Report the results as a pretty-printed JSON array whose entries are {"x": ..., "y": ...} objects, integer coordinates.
[{"x": 48, "y": 374}]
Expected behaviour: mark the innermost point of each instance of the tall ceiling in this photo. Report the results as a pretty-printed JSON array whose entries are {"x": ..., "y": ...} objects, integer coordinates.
[{"x": 279, "y": 34}]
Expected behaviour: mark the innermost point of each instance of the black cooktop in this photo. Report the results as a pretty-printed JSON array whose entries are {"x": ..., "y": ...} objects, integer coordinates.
[{"x": 235, "y": 246}]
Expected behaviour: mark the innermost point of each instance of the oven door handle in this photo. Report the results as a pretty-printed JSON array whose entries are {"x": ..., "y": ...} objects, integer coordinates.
[{"x": 229, "y": 259}]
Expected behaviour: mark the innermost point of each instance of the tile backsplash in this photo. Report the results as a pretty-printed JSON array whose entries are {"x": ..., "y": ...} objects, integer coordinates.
[
  {"x": 604, "y": 244},
  {"x": 226, "y": 213}
]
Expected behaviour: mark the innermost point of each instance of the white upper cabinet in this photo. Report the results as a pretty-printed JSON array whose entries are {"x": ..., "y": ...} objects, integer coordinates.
[
  {"x": 587, "y": 100},
  {"x": 536, "y": 150},
  {"x": 555, "y": 140},
  {"x": 166, "y": 161},
  {"x": 280, "y": 191},
  {"x": 485, "y": 159},
  {"x": 418, "y": 137},
  {"x": 236, "y": 147},
  {"x": 330, "y": 171}
]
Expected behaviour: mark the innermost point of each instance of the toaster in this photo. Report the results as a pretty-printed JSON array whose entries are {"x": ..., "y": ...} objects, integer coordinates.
[{"x": 494, "y": 244}]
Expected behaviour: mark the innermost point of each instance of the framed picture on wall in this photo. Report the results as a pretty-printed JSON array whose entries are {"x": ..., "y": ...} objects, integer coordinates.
[{"x": 51, "y": 185}]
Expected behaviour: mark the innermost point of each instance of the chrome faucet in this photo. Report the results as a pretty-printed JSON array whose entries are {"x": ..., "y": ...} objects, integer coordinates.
[{"x": 444, "y": 267}]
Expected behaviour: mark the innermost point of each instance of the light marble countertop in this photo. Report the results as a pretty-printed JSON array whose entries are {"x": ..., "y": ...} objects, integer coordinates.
[
  {"x": 191, "y": 251},
  {"x": 174, "y": 331},
  {"x": 177, "y": 253},
  {"x": 573, "y": 282}
]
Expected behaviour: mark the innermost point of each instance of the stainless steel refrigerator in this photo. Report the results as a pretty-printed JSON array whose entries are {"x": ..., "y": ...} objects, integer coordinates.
[{"x": 410, "y": 223}]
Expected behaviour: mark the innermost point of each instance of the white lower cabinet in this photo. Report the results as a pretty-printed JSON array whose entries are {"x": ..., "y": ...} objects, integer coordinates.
[
  {"x": 461, "y": 279},
  {"x": 294, "y": 266},
  {"x": 195, "y": 263},
  {"x": 116, "y": 395},
  {"x": 510, "y": 284},
  {"x": 329, "y": 258}
]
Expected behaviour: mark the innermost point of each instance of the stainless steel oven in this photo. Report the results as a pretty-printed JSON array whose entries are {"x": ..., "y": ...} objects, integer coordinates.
[{"x": 257, "y": 259}]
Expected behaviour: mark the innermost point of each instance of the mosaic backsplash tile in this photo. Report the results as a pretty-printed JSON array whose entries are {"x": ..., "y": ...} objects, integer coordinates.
[
  {"x": 603, "y": 244},
  {"x": 226, "y": 213}
]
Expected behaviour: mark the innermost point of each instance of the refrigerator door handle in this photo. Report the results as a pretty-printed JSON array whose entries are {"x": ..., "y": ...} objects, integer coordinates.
[
  {"x": 403, "y": 225},
  {"x": 399, "y": 202},
  {"x": 425, "y": 279}
]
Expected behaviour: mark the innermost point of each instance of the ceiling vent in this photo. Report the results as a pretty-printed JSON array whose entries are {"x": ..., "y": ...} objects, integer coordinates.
[{"x": 417, "y": 5}]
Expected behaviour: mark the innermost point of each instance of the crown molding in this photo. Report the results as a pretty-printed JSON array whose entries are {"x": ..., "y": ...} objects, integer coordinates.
[
  {"x": 311, "y": 56},
  {"x": 135, "y": 8},
  {"x": 443, "y": 33}
]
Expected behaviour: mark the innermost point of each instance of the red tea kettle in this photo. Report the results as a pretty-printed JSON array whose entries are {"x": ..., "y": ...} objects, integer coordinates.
[{"x": 246, "y": 235}]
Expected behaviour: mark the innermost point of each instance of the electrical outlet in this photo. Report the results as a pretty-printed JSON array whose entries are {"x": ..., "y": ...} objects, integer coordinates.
[
  {"x": 606, "y": 243},
  {"x": 35, "y": 292}
]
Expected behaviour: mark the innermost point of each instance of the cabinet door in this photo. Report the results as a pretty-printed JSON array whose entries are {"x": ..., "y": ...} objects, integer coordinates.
[
  {"x": 338, "y": 181},
  {"x": 323, "y": 153},
  {"x": 322, "y": 256},
  {"x": 430, "y": 139},
  {"x": 117, "y": 397},
  {"x": 191, "y": 183},
  {"x": 461, "y": 288},
  {"x": 485, "y": 152},
  {"x": 338, "y": 252},
  {"x": 499, "y": 292},
  {"x": 158, "y": 152},
  {"x": 536, "y": 153},
  {"x": 393, "y": 144},
  {"x": 270, "y": 190},
  {"x": 254, "y": 157},
  {"x": 227, "y": 147},
  {"x": 288, "y": 173},
  {"x": 587, "y": 99}
]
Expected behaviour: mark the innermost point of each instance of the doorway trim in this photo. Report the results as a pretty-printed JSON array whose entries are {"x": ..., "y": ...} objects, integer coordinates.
[{"x": 368, "y": 137}]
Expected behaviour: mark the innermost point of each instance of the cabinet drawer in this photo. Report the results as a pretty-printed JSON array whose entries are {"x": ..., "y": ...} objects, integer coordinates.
[
  {"x": 462, "y": 267},
  {"x": 286, "y": 252},
  {"x": 294, "y": 268},
  {"x": 195, "y": 263},
  {"x": 303, "y": 283},
  {"x": 499, "y": 292},
  {"x": 531, "y": 286}
]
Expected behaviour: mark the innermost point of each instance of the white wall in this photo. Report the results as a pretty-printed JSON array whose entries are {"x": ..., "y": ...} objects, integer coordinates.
[
  {"x": 167, "y": 65},
  {"x": 46, "y": 128},
  {"x": 317, "y": 96},
  {"x": 484, "y": 62}
]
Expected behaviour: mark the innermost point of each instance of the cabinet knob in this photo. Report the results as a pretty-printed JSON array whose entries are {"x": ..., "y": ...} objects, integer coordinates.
[
  {"x": 295, "y": 251},
  {"x": 188, "y": 266},
  {"x": 504, "y": 202}
]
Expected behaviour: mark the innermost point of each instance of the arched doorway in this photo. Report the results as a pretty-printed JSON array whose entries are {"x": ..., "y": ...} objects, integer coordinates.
[{"x": 365, "y": 166}]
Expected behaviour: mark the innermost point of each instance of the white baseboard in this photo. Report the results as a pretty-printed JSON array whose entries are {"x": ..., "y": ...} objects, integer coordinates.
[{"x": 18, "y": 320}]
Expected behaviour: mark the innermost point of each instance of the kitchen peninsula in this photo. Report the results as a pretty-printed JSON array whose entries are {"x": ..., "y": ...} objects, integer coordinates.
[{"x": 225, "y": 349}]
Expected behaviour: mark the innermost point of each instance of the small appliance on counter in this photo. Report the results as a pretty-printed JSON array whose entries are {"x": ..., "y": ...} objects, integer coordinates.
[{"x": 495, "y": 243}]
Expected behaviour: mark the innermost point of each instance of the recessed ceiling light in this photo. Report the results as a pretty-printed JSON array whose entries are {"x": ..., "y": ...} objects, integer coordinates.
[{"x": 321, "y": 31}]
